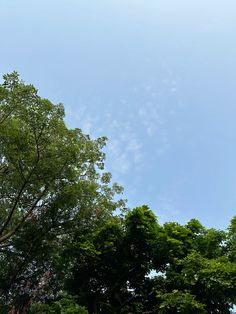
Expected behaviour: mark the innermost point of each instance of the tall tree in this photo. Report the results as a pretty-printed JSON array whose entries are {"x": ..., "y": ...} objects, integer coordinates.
[{"x": 51, "y": 177}]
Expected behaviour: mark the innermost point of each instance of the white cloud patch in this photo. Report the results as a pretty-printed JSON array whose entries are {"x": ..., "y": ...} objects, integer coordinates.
[
  {"x": 124, "y": 152},
  {"x": 166, "y": 209},
  {"x": 132, "y": 124}
]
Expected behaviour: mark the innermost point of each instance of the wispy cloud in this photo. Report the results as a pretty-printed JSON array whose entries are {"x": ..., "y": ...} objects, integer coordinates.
[{"x": 132, "y": 123}]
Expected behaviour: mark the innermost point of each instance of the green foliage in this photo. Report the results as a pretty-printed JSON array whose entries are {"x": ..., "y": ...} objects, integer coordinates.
[
  {"x": 52, "y": 183},
  {"x": 231, "y": 240},
  {"x": 180, "y": 302},
  {"x": 194, "y": 274},
  {"x": 65, "y": 305}
]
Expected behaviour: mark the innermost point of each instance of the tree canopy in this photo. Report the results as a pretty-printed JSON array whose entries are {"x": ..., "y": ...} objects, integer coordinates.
[
  {"x": 63, "y": 247},
  {"x": 52, "y": 178}
]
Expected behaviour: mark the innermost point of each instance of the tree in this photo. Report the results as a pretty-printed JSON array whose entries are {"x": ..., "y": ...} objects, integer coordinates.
[
  {"x": 199, "y": 272},
  {"x": 194, "y": 272},
  {"x": 111, "y": 264},
  {"x": 51, "y": 178}
]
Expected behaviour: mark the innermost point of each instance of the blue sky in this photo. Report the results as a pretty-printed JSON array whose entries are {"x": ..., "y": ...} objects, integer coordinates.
[{"x": 156, "y": 77}]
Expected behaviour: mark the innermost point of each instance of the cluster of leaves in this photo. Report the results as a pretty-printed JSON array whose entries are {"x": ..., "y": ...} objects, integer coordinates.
[
  {"x": 135, "y": 265},
  {"x": 58, "y": 231},
  {"x": 65, "y": 304}
]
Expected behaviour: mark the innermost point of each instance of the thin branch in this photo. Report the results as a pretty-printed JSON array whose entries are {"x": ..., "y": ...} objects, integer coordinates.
[
  {"x": 18, "y": 198},
  {"x": 6, "y": 116},
  {"x": 13, "y": 231},
  {"x": 16, "y": 228}
]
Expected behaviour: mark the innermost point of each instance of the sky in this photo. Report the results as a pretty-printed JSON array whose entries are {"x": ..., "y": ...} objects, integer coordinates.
[{"x": 156, "y": 77}]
